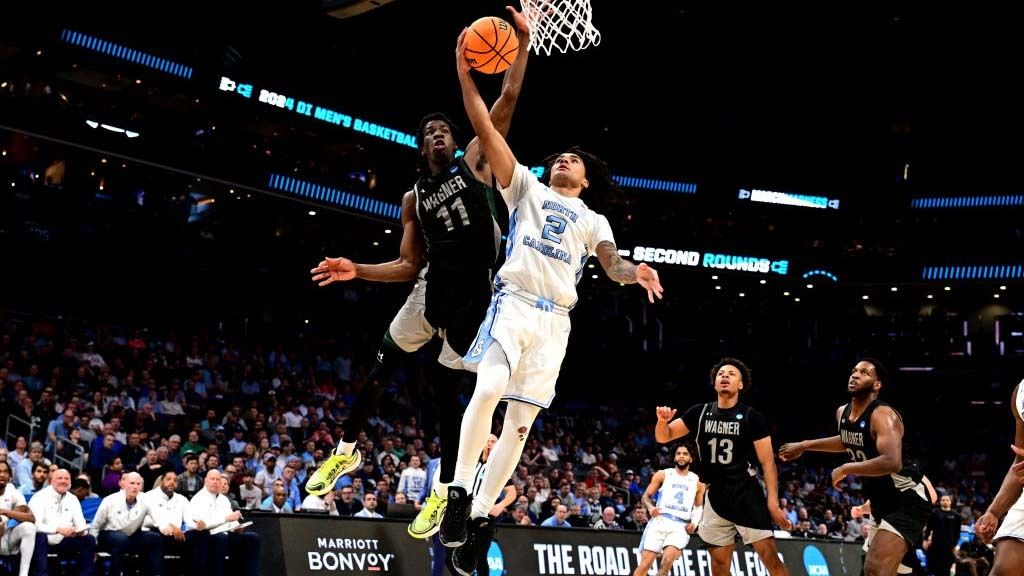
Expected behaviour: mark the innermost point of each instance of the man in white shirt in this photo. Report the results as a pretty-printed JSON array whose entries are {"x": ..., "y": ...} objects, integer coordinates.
[
  {"x": 325, "y": 503},
  {"x": 412, "y": 479},
  {"x": 369, "y": 507},
  {"x": 167, "y": 513},
  {"x": 117, "y": 528},
  {"x": 60, "y": 526},
  {"x": 19, "y": 539},
  {"x": 208, "y": 510}
]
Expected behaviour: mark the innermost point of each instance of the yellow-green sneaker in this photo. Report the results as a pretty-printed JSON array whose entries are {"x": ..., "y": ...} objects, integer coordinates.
[
  {"x": 322, "y": 481},
  {"x": 428, "y": 521}
]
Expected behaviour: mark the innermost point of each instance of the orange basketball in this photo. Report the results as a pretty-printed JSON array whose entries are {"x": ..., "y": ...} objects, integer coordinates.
[{"x": 491, "y": 45}]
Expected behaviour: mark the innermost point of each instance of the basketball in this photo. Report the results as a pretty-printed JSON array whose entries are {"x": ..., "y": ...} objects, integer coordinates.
[{"x": 491, "y": 45}]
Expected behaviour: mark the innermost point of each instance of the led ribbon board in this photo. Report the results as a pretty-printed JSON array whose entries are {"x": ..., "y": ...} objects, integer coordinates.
[
  {"x": 317, "y": 112},
  {"x": 788, "y": 199},
  {"x": 695, "y": 259},
  {"x": 124, "y": 53}
]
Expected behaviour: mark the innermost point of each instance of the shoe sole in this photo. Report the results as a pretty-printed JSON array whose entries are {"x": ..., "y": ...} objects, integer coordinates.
[{"x": 423, "y": 535}]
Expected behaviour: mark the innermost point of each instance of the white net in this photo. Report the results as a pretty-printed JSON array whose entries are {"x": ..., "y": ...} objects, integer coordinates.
[{"x": 560, "y": 25}]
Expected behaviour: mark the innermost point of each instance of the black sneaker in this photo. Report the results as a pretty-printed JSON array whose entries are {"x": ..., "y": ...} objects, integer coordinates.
[
  {"x": 478, "y": 542},
  {"x": 453, "y": 525}
]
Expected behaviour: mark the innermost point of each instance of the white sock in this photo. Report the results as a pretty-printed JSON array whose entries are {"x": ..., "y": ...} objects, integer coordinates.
[
  {"x": 504, "y": 456},
  {"x": 491, "y": 383},
  {"x": 345, "y": 448}
]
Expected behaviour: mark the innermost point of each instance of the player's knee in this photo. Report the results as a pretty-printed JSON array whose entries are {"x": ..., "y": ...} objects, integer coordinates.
[{"x": 874, "y": 567}]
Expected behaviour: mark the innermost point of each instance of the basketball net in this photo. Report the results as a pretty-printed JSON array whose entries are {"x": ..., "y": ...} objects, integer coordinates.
[{"x": 560, "y": 24}]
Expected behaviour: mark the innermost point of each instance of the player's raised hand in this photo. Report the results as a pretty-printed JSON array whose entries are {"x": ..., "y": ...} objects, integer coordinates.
[
  {"x": 985, "y": 527},
  {"x": 519, "y": 19},
  {"x": 333, "y": 270},
  {"x": 791, "y": 451},
  {"x": 665, "y": 413},
  {"x": 648, "y": 278},
  {"x": 461, "y": 63}
]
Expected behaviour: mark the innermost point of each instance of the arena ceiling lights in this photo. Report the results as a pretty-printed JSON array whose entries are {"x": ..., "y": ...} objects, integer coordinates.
[
  {"x": 115, "y": 50},
  {"x": 112, "y": 128}
]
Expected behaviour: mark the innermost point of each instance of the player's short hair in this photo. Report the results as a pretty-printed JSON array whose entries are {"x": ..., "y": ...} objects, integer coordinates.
[
  {"x": 729, "y": 361},
  {"x": 687, "y": 445},
  {"x": 436, "y": 116},
  {"x": 79, "y": 483},
  {"x": 881, "y": 372},
  {"x": 602, "y": 190}
]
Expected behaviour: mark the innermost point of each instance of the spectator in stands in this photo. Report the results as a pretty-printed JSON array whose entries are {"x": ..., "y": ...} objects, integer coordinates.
[
  {"x": 225, "y": 490},
  {"x": 369, "y": 507},
  {"x": 412, "y": 479},
  {"x": 19, "y": 453},
  {"x": 636, "y": 520},
  {"x": 209, "y": 510},
  {"x": 133, "y": 454},
  {"x": 112, "y": 476},
  {"x": 60, "y": 428},
  {"x": 40, "y": 479},
  {"x": 89, "y": 501},
  {"x": 23, "y": 471},
  {"x": 60, "y": 525},
  {"x": 558, "y": 520},
  {"x": 347, "y": 505},
  {"x": 118, "y": 528},
  {"x": 249, "y": 492},
  {"x": 324, "y": 503},
  {"x": 607, "y": 521},
  {"x": 172, "y": 457},
  {"x": 190, "y": 483},
  {"x": 291, "y": 487},
  {"x": 803, "y": 530},
  {"x": 520, "y": 515},
  {"x": 270, "y": 472},
  {"x": 18, "y": 534},
  {"x": 279, "y": 501},
  {"x": 192, "y": 445},
  {"x": 152, "y": 468}
]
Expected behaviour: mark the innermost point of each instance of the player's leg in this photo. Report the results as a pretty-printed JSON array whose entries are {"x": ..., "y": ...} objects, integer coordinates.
[
  {"x": 408, "y": 332},
  {"x": 668, "y": 557},
  {"x": 886, "y": 552},
  {"x": 769, "y": 554},
  {"x": 492, "y": 378},
  {"x": 646, "y": 561},
  {"x": 721, "y": 559},
  {"x": 1009, "y": 558}
]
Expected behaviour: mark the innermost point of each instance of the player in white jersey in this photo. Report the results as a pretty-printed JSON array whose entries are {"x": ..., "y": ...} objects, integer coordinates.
[
  {"x": 519, "y": 347},
  {"x": 20, "y": 536},
  {"x": 1010, "y": 537},
  {"x": 674, "y": 516}
]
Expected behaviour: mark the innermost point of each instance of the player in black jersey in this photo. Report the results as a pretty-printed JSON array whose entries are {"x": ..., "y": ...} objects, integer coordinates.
[
  {"x": 448, "y": 219},
  {"x": 732, "y": 441},
  {"x": 871, "y": 434}
]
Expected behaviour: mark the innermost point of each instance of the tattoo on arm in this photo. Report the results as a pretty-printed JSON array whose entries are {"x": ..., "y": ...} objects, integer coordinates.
[{"x": 619, "y": 270}]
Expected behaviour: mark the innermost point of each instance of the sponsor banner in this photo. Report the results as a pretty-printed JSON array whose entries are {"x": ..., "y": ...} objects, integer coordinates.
[{"x": 328, "y": 546}]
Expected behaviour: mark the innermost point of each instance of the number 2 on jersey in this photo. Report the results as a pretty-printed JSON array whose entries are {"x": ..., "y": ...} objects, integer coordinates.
[
  {"x": 445, "y": 215},
  {"x": 555, "y": 225},
  {"x": 721, "y": 450}
]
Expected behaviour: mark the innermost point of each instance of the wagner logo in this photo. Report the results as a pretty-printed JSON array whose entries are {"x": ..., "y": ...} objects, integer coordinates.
[
  {"x": 495, "y": 561},
  {"x": 814, "y": 562},
  {"x": 350, "y": 556}
]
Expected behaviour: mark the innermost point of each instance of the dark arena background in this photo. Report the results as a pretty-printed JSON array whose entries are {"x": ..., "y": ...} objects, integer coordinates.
[{"x": 813, "y": 183}]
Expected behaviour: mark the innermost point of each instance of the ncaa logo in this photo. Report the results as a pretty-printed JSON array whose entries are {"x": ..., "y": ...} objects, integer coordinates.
[
  {"x": 814, "y": 562},
  {"x": 495, "y": 561},
  {"x": 454, "y": 168}
]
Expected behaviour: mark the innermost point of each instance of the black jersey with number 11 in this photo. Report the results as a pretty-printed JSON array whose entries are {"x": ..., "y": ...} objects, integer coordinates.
[{"x": 456, "y": 213}]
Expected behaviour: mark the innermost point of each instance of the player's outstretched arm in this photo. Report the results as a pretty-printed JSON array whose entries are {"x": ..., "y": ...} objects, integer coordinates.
[
  {"x": 794, "y": 450},
  {"x": 403, "y": 269},
  {"x": 493, "y": 144},
  {"x": 667, "y": 430},
  {"x": 625, "y": 272},
  {"x": 505, "y": 105},
  {"x": 1013, "y": 482}
]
